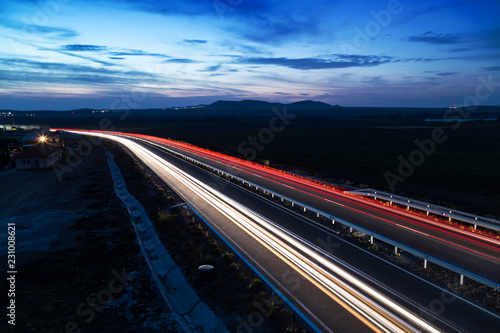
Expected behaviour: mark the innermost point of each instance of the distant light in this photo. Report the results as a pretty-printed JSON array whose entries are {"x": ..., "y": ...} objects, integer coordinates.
[{"x": 42, "y": 138}]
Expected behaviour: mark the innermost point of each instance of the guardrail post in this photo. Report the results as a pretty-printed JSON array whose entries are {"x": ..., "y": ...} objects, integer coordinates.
[{"x": 461, "y": 272}]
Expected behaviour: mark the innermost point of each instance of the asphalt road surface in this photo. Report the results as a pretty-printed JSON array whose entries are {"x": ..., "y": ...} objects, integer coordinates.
[{"x": 406, "y": 293}]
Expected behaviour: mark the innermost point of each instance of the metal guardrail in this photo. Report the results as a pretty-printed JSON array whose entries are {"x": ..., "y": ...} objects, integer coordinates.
[
  {"x": 425, "y": 256},
  {"x": 307, "y": 322},
  {"x": 431, "y": 208},
  {"x": 291, "y": 307}
]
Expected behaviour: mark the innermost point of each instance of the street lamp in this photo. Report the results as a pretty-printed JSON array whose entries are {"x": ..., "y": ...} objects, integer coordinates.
[{"x": 42, "y": 138}]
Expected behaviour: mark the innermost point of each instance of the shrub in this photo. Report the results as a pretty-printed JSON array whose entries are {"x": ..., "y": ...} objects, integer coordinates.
[
  {"x": 164, "y": 217},
  {"x": 209, "y": 260}
]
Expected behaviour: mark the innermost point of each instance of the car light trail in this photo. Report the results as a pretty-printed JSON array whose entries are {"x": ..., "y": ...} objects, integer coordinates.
[
  {"x": 246, "y": 166},
  {"x": 267, "y": 172},
  {"x": 371, "y": 307},
  {"x": 325, "y": 189}
]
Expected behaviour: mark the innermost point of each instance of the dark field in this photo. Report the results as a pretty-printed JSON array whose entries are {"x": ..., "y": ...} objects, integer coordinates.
[{"x": 462, "y": 170}]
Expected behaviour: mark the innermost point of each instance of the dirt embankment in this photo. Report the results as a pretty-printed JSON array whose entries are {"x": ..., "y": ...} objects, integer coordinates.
[{"x": 77, "y": 261}]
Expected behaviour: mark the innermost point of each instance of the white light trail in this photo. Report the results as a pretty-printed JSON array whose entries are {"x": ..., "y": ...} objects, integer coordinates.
[{"x": 367, "y": 304}]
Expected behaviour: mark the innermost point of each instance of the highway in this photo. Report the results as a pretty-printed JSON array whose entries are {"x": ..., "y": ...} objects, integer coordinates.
[
  {"x": 328, "y": 285},
  {"x": 467, "y": 250}
]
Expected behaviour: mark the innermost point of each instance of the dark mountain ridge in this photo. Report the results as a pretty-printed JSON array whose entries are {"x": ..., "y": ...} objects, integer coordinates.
[{"x": 249, "y": 108}]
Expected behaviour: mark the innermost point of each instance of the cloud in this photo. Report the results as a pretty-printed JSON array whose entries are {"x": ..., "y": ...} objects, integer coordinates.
[
  {"x": 461, "y": 49},
  {"x": 54, "y": 67},
  {"x": 435, "y": 38},
  {"x": 35, "y": 78},
  {"x": 27, "y": 29},
  {"x": 84, "y": 47},
  {"x": 130, "y": 52},
  {"x": 440, "y": 73},
  {"x": 213, "y": 68},
  {"x": 236, "y": 46},
  {"x": 36, "y": 71},
  {"x": 101, "y": 62},
  {"x": 181, "y": 61},
  {"x": 278, "y": 22},
  {"x": 447, "y": 73},
  {"x": 56, "y": 32},
  {"x": 336, "y": 61},
  {"x": 114, "y": 53},
  {"x": 194, "y": 41},
  {"x": 63, "y": 51}
]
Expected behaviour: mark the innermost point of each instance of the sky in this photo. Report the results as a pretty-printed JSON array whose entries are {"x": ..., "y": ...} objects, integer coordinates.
[{"x": 69, "y": 54}]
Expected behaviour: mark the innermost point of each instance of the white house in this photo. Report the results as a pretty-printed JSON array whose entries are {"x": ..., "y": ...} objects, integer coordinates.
[{"x": 40, "y": 156}]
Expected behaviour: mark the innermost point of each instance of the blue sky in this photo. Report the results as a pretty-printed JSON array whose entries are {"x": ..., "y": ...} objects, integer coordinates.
[{"x": 66, "y": 54}]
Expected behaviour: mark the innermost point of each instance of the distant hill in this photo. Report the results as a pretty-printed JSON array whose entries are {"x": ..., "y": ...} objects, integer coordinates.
[
  {"x": 240, "y": 105},
  {"x": 254, "y": 107},
  {"x": 312, "y": 106}
]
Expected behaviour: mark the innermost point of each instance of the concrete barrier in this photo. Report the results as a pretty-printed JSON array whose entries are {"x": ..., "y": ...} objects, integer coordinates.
[{"x": 172, "y": 285}]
